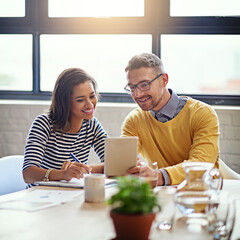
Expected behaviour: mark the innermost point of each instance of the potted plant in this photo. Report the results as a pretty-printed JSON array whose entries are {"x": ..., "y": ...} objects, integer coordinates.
[{"x": 133, "y": 208}]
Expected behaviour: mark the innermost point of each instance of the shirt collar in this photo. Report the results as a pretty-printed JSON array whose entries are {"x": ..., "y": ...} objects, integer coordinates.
[{"x": 171, "y": 107}]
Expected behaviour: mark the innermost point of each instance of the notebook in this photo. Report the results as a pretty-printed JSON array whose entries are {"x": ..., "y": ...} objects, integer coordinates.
[
  {"x": 120, "y": 155},
  {"x": 74, "y": 183}
]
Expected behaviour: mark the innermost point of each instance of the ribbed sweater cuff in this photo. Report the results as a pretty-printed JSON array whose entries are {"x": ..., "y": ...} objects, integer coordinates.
[{"x": 165, "y": 177}]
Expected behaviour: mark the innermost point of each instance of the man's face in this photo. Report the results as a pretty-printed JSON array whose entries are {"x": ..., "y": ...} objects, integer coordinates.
[{"x": 151, "y": 99}]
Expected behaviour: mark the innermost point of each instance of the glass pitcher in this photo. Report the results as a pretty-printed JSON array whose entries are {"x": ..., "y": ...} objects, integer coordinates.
[
  {"x": 201, "y": 185},
  {"x": 200, "y": 176}
]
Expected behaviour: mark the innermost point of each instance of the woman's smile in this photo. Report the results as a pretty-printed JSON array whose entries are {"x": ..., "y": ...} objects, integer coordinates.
[{"x": 88, "y": 111}]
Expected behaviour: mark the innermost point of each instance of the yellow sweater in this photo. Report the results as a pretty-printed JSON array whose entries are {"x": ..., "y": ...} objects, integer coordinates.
[{"x": 192, "y": 135}]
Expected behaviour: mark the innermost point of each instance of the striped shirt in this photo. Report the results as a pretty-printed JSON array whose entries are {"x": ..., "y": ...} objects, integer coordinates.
[{"x": 48, "y": 149}]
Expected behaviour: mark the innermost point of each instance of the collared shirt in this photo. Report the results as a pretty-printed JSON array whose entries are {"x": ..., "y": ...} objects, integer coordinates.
[
  {"x": 167, "y": 113},
  {"x": 171, "y": 109}
]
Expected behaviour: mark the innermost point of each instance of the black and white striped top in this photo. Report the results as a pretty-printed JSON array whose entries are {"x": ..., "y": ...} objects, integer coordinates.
[{"x": 48, "y": 149}]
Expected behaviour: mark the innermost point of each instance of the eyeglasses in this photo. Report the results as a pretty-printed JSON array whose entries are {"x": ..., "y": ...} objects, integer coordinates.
[{"x": 143, "y": 86}]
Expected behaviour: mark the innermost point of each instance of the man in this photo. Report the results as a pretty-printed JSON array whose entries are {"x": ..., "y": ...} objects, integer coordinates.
[{"x": 171, "y": 129}]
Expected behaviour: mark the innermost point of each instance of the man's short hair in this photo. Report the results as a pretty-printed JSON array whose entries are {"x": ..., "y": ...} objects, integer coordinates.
[{"x": 147, "y": 60}]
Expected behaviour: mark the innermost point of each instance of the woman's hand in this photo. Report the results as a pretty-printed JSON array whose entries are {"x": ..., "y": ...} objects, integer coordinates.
[
  {"x": 74, "y": 170},
  {"x": 66, "y": 165}
]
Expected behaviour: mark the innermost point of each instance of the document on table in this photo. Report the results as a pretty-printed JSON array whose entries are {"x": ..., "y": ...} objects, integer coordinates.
[
  {"x": 74, "y": 183},
  {"x": 39, "y": 199}
]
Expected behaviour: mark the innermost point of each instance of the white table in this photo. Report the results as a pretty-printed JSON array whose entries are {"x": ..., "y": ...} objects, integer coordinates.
[
  {"x": 77, "y": 220},
  {"x": 179, "y": 230}
]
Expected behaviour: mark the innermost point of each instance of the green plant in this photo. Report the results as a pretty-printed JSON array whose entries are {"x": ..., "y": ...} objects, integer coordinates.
[{"x": 133, "y": 197}]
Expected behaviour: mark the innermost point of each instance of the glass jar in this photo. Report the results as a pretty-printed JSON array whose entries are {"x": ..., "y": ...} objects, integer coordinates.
[
  {"x": 194, "y": 195},
  {"x": 200, "y": 176}
]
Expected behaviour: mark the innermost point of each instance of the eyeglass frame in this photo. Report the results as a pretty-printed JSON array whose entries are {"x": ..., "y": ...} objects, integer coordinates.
[{"x": 136, "y": 85}]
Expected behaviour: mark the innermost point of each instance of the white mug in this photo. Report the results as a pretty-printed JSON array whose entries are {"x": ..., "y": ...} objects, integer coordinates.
[{"x": 94, "y": 188}]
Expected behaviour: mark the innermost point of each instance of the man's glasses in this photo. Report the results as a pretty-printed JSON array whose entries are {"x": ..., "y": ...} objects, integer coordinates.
[{"x": 143, "y": 86}]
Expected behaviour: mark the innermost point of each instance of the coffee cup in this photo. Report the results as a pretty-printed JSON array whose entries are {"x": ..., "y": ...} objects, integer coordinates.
[{"x": 94, "y": 188}]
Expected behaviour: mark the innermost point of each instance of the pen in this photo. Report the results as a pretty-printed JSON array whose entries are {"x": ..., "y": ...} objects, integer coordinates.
[{"x": 75, "y": 158}]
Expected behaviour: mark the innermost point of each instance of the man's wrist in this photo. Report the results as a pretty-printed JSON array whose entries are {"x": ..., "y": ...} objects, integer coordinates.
[
  {"x": 160, "y": 179},
  {"x": 165, "y": 177}
]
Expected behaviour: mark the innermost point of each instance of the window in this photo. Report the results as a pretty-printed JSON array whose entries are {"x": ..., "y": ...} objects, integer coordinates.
[
  {"x": 96, "y": 8},
  {"x": 16, "y": 62},
  {"x": 199, "y": 45},
  {"x": 206, "y": 64},
  {"x": 12, "y": 8},
  {"x": 204, "y": 8},
  {"x": 111, "y": 54}
]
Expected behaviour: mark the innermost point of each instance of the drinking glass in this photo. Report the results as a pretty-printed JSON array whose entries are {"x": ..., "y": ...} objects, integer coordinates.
[
  {"x": 149, "y": 173},
  {"x": 194, "y": 206},
  {"x": 222, "y": 216},
  {"x": 165, "y": 217}
]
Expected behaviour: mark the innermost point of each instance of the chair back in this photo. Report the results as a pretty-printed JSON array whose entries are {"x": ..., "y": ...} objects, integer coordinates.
[
  {"x": 227, "y": 172},
  {"x": 11, "y": 179}
]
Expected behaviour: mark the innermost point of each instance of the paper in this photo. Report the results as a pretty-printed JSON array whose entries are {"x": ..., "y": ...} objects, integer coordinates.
[
  {"x": 40, "y": 199},
  {"x": 55, "y": 196},
  {"x": 25, "y": 206},
  {"x": 74, "y": 183}
]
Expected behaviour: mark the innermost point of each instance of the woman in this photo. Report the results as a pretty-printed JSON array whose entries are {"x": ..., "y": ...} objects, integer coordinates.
[{"x": 69, "y": 127}]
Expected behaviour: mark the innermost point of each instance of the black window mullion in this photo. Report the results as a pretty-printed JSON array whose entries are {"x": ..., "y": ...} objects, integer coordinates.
[
  {"x": 36, "y": 63},
  {"x": 35, "y": 9}
]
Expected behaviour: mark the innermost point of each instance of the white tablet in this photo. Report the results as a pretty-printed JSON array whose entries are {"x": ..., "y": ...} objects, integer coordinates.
[{"x": 120, "y": 155}]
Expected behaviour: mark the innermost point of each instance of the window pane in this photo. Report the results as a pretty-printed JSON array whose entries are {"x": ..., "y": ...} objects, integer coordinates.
[
  {"x": 103, "y": 56},
  {"x": 95, "y": 8},
  {"x": 16, "y": 62},
  {"x": 12, "y": 8},
  {"x": 202, "y": 64},
  {"x": 204, "y": 8}
]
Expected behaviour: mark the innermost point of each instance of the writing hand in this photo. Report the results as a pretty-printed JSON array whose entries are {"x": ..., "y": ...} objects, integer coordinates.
[{"x": 75, "y": 170}]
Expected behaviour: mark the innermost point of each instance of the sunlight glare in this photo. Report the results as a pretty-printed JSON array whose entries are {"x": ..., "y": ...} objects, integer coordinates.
[{"x": 96, "y": 8}]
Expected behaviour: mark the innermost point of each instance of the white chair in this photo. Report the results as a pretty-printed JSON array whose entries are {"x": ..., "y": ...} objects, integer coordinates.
[
  {"x": 11, "y": 179},
  {"x": 227, "y": 172}
]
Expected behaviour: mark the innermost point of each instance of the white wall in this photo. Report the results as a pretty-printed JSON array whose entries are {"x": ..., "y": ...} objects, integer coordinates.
[{"x": 16, "y": 118}]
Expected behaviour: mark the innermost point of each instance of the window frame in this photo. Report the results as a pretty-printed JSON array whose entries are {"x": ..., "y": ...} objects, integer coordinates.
[{"x": 155, "y": 22}]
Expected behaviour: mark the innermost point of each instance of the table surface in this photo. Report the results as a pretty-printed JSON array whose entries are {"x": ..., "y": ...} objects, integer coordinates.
[{"x": 80, "y": 220}]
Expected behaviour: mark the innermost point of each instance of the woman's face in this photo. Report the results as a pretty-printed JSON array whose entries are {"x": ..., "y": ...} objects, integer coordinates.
[{"x": 83, "y": 101}]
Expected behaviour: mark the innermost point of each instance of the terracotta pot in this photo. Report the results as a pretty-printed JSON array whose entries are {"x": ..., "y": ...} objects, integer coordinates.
[{"x": 132, "y": 226}]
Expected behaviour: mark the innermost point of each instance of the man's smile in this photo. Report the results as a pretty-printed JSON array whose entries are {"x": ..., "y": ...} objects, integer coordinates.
[{"x": 143, "y": 99}]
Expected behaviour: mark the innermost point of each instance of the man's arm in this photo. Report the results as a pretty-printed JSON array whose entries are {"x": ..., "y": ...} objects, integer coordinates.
[
  {"x": 205, "y": 143},
  {"x": 128, "y": 129}
]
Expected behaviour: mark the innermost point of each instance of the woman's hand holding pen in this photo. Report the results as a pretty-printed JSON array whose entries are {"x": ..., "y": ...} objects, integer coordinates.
[
  {"x": 74, "y": 170},
  {"x": 66, "y": 165}
]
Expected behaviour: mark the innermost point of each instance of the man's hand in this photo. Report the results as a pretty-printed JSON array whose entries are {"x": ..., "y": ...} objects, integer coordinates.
[{"x": 146, "y": 171}]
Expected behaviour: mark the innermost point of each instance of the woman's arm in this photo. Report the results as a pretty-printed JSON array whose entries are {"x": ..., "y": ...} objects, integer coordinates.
[
  {"x": 96, "y": 168},
  {"x": 33, "y": 174},
  {"x": 68, "y": 171}
]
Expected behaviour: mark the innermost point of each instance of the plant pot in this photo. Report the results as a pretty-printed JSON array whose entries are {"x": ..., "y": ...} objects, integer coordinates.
[{"x": 132, "y": 226}]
